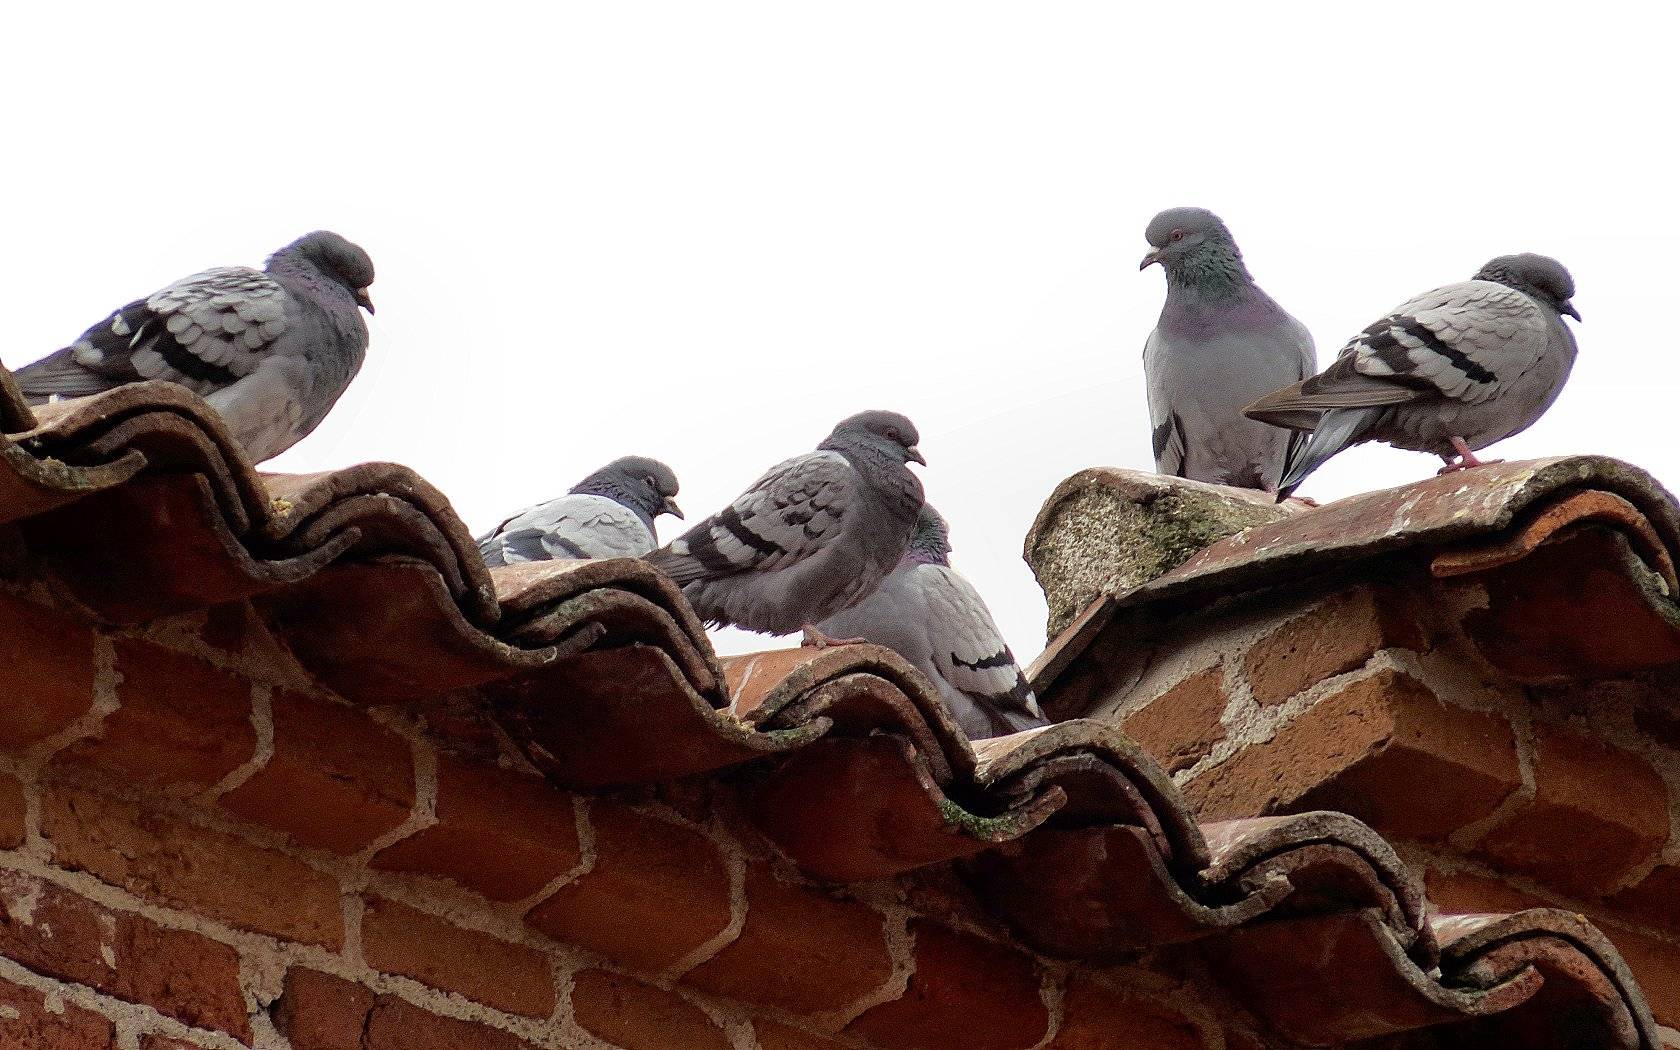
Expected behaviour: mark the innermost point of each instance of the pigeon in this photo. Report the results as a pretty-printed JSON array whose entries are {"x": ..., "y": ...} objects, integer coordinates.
[
  {"x": 271, "y": 350},
  {"x": 933, "y": 617},
  {"x": 1449, "y": 372},
  {"x": 1220, "y": 343},
  {"x": 609, "y": 514},
  {"x": 811, "y": 537}
]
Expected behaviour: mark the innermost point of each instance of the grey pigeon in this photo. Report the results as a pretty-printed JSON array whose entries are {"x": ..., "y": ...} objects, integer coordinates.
[
  {"x": 1221, "y": 342},
  {"x": 271, "y": 350},
  {"x": 1449, "y": 372},
  {"x": 609, "y": 514},
  {"x": 809, "y": 538},
  {"x": 933, "y": 617}
]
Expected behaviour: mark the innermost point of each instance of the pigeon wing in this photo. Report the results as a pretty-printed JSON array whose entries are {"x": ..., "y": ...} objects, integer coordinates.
[
  {"x": 205, "y": 332},
  {"x": 784, "y": 518}
]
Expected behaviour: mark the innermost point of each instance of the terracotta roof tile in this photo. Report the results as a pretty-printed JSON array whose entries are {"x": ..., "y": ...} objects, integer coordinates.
[{"x": 601, "y": 673}]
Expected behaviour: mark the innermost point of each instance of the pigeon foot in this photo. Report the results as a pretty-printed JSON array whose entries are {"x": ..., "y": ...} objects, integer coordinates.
[
  {"x": 815, "y": 639},
  {"x": 1466, "y": 459}
]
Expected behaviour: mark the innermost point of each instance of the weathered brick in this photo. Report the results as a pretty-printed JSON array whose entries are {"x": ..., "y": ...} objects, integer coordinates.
[
  {"x": 337, "y": 779},
  {"x": 58, "y": 933},
  {"x": 1099, "y": 1018},
  {"x": 1364, "y": 750},
  {"x": 14, "y": 812},
  {"x": 183, "y": 724},
  {"x": 656, "y": 893},
  {"x": 404, "y": 940},
  {"x": 47, "y": 675},
  {"x": 320, "y": 1012},
  {"x": 1182, "y": 725},
  {"x": 29, "y": 1022},
  {"x": 773, "y": 1036},
  {"x": 501, "y": 833},
  {"x": 964, "y": 994},
  {"x": 1598, "y": 812},
  {"x": 800, "y": 949},
  {"x": 163, "y": 1042},
  {"x": 637, "y": 1016},
  {"x": 1334, "y": 637},
  {"x": 205, "y": 872}
]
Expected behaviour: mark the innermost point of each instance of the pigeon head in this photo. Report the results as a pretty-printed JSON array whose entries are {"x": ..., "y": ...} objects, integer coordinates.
[
  {"x": 1536, "y": 276},
  {"x": 645, "y": 485},
  {"x": 1181, "y": 238},
  {"x": 338, "y": 259},
  {"x": 884, "y": 433},
  {"x": 930, "y": 543}
]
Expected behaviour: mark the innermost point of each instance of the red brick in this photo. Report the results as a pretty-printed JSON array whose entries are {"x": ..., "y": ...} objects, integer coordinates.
[
  {"x": 396, "y": 1025},
  {"x": 404, "y": 940},
  {"x": 501, "y": 833},
  {"x": 229, "y": 627},
  {"x": 1182, "y": 725},
  {"x": 27, "y": 1023},
  {"x": 55, "y": 932},
  {"x": 205, "y": 872},
  {"x": 183, "y": 724},
  {"x": 1598, "y": 812},
  {"x": 337, "y": 780},
  {"x": 1655, "y": 899},
  {"x": 1656, "y": 966},
  {"x": 773, "y": 1036},
  {"x": 656, "y": 893},
  {"x": 14, "y": 812},
  {"x": 1468, "y": 893},
  {"x": 1099, "y": 1018},
  {"x": 964, "y": 994},
  {"x": 800, "y": 950},
  {"x": 637, "y": 1016},
  {"x": 320, "y": 1012},
  {"x": 1334, "y": 637},
  {"x": 47, "y": 673},
  {"x": 1364, "y": 750},
  {"x": 163, "y": 1042}
]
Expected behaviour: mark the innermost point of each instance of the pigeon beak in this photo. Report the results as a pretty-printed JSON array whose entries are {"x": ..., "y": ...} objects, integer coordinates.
[
  {"x": 914, "y": 455},
  {"x": 670, "y": 507},
  {"x": 364, "y": 300},
  {"x": 1149, "y": 260},
  {"x": 1569, "y": 308}
]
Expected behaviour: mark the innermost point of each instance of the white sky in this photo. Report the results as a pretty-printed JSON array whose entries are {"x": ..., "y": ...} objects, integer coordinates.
[{"x": 706, "y": 232}]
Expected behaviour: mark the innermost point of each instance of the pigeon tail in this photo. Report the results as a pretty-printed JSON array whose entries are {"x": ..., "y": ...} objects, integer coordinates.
[{"x": 1336, "y": 430}]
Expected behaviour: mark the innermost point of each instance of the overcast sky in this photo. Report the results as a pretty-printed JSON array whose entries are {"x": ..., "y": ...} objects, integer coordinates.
[{"x": 705, "y": 232}]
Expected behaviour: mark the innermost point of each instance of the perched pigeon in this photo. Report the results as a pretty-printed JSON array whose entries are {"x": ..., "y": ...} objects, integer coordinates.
[
  {"x": 933, "y": 617},
  {"x": 609, "y": 514},
  {"x": 1221, "y": 342},
  {"x": 1451, "y": 371},
  {"x": 271, "y": 349},
  {"x": 811, "y": 537}
]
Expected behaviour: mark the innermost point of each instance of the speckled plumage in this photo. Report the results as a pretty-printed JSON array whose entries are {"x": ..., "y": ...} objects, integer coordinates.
[
  {"x": 1476, "y": 362},
  {"x": 608, "y": 514},
  {"x": 931, "y": 615},
  {"x": 271, "y": 350},
  {"x": 1220, "y": 343},
  {"x": 809, "y": 538}
]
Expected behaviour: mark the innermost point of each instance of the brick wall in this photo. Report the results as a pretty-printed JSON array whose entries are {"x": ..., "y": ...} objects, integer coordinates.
[
  {"x": 1369, "y": 699},
  {"x": 199, "y": 848}
]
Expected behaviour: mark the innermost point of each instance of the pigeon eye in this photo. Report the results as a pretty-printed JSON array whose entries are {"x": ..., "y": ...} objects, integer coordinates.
[{"x": 1178, "y": 235}]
